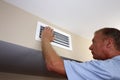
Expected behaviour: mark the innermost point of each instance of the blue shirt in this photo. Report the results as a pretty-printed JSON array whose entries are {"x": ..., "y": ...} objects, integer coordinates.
[{"x": 94, "y": 69}]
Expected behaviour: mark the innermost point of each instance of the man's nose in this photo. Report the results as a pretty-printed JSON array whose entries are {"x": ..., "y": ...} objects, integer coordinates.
[{"x": 91, "y": 46}]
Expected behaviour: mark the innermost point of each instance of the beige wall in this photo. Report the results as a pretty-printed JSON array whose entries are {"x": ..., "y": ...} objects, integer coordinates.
[{"x": 18, "y": 26}]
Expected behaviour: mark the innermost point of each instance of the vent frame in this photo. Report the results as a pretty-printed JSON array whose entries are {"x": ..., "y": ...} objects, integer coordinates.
[{"x": 56, "y": 31}]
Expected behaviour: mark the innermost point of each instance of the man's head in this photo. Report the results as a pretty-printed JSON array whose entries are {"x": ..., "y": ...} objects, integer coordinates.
[{"x": 106, "y": 43}]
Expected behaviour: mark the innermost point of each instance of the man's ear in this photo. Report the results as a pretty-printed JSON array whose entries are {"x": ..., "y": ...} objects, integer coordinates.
[{"x": 109, "y": 43}]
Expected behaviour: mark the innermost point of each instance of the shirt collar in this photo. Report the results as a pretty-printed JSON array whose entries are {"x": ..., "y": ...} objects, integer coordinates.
[{"x": 116, "y": 57}]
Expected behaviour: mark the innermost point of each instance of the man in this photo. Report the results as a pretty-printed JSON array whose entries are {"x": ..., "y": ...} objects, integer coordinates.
[{"x": 105, "y": 49}]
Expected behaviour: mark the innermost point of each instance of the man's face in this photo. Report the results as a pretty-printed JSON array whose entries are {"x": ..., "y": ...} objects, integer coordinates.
[{"x": 98, "y": 47}]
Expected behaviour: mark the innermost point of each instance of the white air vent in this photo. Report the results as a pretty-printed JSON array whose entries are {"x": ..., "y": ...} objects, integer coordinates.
[{"x": 62, "y": 39}]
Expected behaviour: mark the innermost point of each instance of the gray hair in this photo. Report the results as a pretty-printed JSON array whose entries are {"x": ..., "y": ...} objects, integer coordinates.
[{"x": 112, "y": 33}]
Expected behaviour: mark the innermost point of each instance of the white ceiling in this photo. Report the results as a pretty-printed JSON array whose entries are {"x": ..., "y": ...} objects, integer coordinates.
[{"x": 81, "y": 17}]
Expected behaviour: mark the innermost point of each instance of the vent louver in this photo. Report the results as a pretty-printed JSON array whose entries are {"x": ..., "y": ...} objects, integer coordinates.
[{"x": 62, "y": 39}]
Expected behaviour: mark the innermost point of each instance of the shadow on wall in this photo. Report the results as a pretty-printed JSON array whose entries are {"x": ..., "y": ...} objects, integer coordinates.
[{"x": 22, "y": 60}]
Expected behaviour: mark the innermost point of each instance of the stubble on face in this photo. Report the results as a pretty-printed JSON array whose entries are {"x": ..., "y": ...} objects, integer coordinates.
[{"x": 97, "y": 46}]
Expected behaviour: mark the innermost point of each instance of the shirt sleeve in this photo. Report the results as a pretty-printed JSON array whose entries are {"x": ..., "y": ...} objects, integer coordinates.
[{"x": 92, "y": 70}]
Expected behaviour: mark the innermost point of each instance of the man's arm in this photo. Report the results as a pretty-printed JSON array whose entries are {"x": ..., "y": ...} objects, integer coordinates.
[{"x": 53, "y": 61}]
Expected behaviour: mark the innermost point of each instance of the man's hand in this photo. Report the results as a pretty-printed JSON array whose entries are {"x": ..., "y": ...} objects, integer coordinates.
[{"x": 47, "y": 34}]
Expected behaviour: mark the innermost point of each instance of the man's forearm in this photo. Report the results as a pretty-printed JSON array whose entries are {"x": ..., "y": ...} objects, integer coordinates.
[{"x": 53, "y": 61}]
